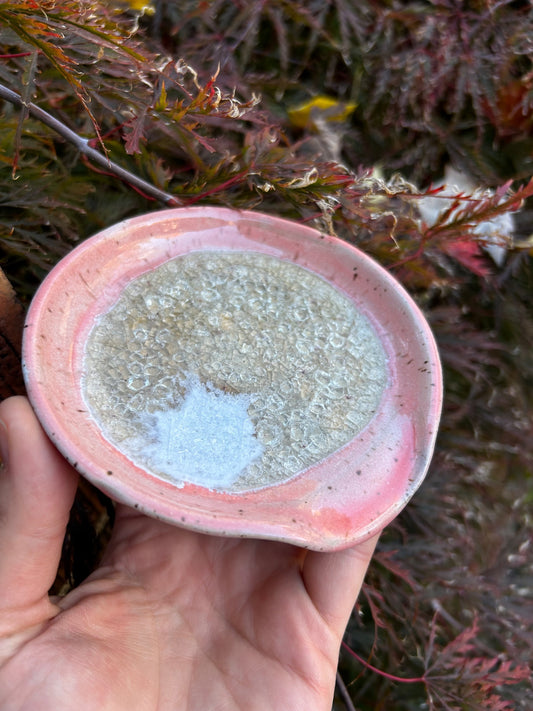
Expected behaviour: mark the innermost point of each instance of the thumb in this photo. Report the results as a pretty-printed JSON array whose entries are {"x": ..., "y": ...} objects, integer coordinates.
[
  {"x": 333, "y": 580},
  {"x": 37, "y": 489}
]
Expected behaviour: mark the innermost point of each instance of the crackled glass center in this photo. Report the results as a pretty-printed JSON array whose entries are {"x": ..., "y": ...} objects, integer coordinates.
[{"x": 232, "y": 370}]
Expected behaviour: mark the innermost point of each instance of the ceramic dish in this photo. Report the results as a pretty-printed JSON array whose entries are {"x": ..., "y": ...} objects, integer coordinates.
[{"x": 75, "y": 337}]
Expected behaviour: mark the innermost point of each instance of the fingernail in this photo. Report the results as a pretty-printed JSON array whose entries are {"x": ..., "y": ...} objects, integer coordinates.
[{"x": 4, "y": 448}]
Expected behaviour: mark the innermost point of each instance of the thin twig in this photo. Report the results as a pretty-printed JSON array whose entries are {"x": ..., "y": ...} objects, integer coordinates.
[
  {"x": 82, "y": 144},
  {"x": 386, "y": 675},
  {"x": 343, "y": 691}
]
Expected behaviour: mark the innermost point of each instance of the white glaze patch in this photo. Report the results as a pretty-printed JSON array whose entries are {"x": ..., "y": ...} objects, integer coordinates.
[{"x": 209, "y": 440}]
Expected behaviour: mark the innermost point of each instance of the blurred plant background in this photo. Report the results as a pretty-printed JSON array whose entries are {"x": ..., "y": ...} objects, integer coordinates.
[{"x": 405, "y": 128}]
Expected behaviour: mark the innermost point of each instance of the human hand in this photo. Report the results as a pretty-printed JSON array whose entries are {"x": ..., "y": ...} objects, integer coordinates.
[{"x": 172, "y": 620}]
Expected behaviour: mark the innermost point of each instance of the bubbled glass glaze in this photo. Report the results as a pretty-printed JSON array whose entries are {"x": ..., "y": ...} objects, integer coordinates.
[{"x": 233, "y": 324}]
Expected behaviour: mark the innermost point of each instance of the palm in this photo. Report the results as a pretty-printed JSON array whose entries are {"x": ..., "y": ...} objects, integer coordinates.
[{"x": 182, "y": 621}]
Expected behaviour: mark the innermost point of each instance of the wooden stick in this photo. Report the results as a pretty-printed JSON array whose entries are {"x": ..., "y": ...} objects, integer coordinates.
[{"x": 11, "y": 326}]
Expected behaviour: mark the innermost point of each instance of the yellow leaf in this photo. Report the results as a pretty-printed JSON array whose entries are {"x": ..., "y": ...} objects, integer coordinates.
[
  {"x": 141, "y": 6},
  {"x": 161, "y": 104},
  {"x": 320, "y": 108}
]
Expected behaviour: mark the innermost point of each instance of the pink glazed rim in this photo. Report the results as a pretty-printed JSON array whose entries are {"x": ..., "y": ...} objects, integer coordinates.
[{"x": 344, "y": 499}]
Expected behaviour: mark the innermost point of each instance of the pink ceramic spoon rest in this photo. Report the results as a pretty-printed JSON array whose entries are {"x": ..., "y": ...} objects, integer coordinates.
[{"x": 236, "y": 374}]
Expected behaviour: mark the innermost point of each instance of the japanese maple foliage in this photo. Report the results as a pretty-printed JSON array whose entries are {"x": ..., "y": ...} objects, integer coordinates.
[{"x": 194, "y": 103}]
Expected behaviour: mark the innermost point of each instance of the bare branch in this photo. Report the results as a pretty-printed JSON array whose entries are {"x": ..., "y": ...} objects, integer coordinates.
[
  {"x": 344, "y": 693},
  {"x": 83, "y": 145}
]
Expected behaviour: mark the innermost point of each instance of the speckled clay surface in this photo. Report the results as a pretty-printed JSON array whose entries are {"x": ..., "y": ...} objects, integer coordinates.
[{"x": 344, "y": 498}]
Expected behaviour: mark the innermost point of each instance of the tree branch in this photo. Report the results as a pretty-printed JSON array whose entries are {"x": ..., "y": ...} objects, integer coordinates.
[
  {"x": 344, "y": 693},
  {"x": 82, "y": 144}
]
